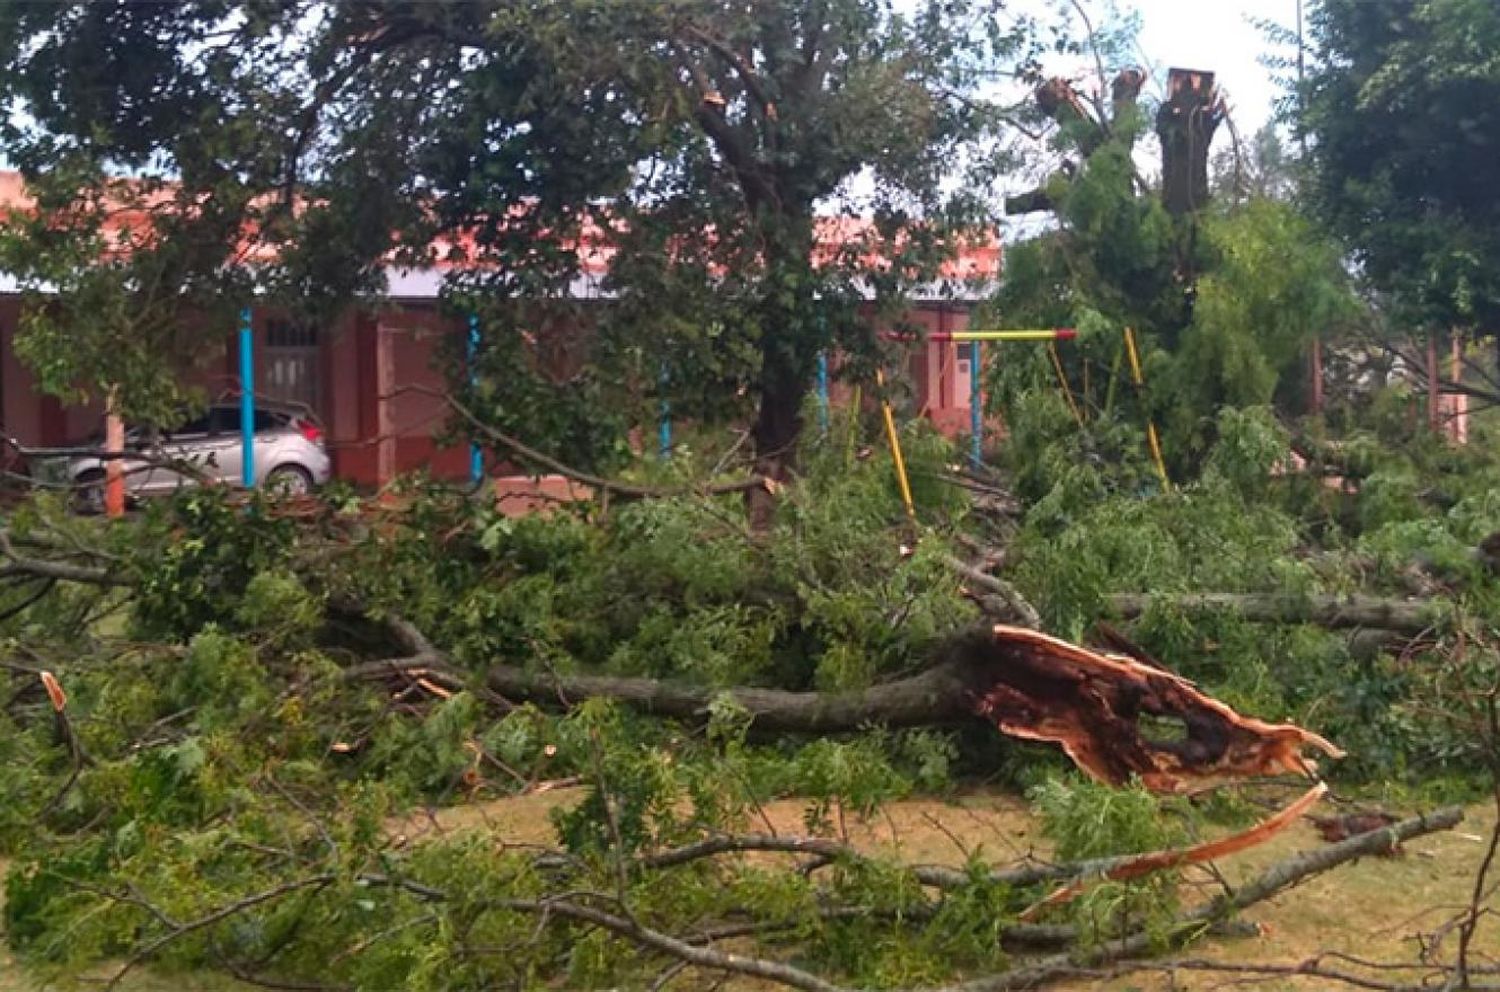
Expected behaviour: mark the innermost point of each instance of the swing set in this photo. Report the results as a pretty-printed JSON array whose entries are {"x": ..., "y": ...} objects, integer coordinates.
[{"x": 976, "y": 413}]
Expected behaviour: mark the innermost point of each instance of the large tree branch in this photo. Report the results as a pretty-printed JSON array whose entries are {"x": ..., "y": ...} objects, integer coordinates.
[
  {"x": 754, "y": 86},
  {"x": 17, "y": 563},
  {"x": 528, "y": 454},
  {"x": 1027, "y": 684},
  {"x": 1411, "y": 617},
  {"x": 730, "y": 143}
]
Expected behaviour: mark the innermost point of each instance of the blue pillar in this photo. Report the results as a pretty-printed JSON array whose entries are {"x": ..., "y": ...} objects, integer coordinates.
[
  {"x": 476, "y": 453},
  {"x": 976, "y": 410},
  {"x": 666, "y": 417},
  {"x": 823, "y": 391},
  {"x": 247, "y": 400}
]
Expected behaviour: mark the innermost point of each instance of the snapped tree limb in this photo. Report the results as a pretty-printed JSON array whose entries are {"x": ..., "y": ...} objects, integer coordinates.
[
  {"x": 1028, "y": 684},
  {"x": 1092, "y": 704}
]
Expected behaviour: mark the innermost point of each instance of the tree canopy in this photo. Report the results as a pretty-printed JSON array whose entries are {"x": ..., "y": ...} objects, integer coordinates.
[
  {"x": 1402, "y": 112},
  {"x": 702, "y": 139}
]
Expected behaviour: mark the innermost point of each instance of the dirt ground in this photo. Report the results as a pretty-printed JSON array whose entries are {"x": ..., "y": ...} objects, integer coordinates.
[{"x": 1372, "y": 909}]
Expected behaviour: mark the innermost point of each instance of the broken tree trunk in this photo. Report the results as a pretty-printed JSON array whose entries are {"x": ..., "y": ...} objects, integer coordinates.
[
  {"x": 1058, "y": 99},
  {"x": 1028, "y": 684},
  {"x": 1186, "y": 123}
]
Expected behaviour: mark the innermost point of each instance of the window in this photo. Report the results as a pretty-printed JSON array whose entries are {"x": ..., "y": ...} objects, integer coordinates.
[
  {"x": 202, "y": 425},
  {"x": 289, "y": 334},
  {"x": 226, "y": 420}
]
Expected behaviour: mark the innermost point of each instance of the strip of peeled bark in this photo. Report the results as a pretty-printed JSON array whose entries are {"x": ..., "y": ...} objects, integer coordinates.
[
  {"x": 1154, "y": 861},
  {"x": 1411, "y": 617},
  {"x": 1028, "y": 684}
]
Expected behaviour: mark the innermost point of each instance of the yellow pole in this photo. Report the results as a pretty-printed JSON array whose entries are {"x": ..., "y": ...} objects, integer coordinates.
[
  {"x": 1062, "y": 379},
  {"x": 1151, "y": 438},
  {"x": 895, "y": 442},
  {"x": 1052, "y": 335}
]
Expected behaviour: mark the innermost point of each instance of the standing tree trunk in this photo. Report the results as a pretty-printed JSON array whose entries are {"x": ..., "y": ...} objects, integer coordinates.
[
  {"x": 1459, "y": 402},
  {"x": 790, "y": 341},
  {"x": 778, "y": 426}
]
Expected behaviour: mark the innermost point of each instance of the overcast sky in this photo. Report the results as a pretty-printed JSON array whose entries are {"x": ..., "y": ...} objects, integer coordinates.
[{"x": 1216, "y": 35}]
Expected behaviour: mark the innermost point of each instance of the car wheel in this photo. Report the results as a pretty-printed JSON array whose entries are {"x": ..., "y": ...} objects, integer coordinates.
[
  {"x": 88, "y": 493},
  {"x": 289, "y": 480}
]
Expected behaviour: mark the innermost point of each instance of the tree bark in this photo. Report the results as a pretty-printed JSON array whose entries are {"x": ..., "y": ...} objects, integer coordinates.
[
  {"x": 778, "y": 427},
  {"x": 1410, "y": 617},
  {"x": 1434, "y": 401},
  {"x": 938, "y": 695},
  {"x": 789, "y": 344}
]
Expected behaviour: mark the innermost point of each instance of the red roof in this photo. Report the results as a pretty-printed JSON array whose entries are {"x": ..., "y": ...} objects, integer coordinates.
[{"x": 978, "y": 259}]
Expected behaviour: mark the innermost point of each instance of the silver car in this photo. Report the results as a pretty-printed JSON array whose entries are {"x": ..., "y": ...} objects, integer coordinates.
[{"x": 290, "y": 457}]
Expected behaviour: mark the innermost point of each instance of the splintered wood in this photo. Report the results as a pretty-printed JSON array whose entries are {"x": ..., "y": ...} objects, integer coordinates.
[{"x": 1108, "y": 713}]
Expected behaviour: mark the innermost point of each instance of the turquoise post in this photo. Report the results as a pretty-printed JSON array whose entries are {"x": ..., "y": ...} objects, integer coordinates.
[
  {"x": 476, "y": 453},
  {"x": 247, "y": 399},
  {"x": 976, "y": 412}
]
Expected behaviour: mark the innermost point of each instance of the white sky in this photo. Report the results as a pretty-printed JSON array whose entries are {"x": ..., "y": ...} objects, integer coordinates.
[{"x": 1215, "y": 35}]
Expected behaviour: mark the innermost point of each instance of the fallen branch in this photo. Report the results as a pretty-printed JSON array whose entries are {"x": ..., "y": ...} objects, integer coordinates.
[
  {"x": 1029, "y": 685},
  {"x": 532, "y": 456},
  {"x": 1013, "y": 607},
  {"x": 938, "y": 695},
  {"x": 1154, "y": 861},
  {"x": 16, "y": 563},
  {"x": 1273, "y": 880},
  {"x": 644, "y": 936},
  {"x": 1411, "y": 617},
  {"x": 177, "y": 930},
  {"x": 59, "y": 700}
]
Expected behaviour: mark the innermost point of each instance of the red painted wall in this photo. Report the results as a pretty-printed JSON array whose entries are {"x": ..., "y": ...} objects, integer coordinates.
[{"x": 350, "y": 400}]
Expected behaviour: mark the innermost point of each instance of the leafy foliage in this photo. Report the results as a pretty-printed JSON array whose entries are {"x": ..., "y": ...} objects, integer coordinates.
[{"x": 1400, "y": 105}]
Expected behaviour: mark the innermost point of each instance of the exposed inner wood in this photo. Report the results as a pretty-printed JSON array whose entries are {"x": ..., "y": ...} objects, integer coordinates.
[{"x": 1092, "y": 705}]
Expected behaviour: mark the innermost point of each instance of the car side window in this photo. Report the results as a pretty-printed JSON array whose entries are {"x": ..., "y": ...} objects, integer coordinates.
[
  {"x": 226, "y": 420},
  {"x": 192, "y": 428}
]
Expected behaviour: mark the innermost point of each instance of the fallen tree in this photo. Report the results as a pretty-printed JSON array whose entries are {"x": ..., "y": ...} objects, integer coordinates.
[{"x": 1028, "y": 684}]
